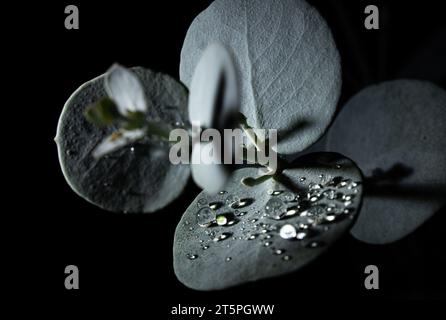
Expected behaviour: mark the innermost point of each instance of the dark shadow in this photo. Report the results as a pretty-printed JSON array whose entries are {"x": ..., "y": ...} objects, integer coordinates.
[
  {"x": 292, "y": 130},
  {"x": 388, "y": 184}
]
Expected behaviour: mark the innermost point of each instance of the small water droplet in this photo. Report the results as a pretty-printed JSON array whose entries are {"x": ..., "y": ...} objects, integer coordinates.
[
  {"x": 232, "y": 201},
  {"x": 132, "y": 149},
  {"x": 338, "y": 166},
  {"x": 205, "y": 247},
  {"x": 222, "y": 192},
  {"x": 228, "y": 259},
  {"x": 222, "y": 237},
  {"x": 314, "y": 186},
  {"x": 275, "y": 208},
  {"x": 289, "y": 196},
  {"x": 252, "y": 237},
  {"x": 287, "y": 231},
  {"x": 278, "y": 251},
  {"x": 186, "y": 222},
  {"x": 191, "y": 256},
  {"x": 321, "y": 176},
  {"x": 301, "y": 235},
  {"x": 205, "y": 217},
  {"x": 215, "y": 205},
  {"x": 347, "y": 203},
  {"x": 222, "y": 220},
  {"x": 201, "y": 202},
  {"x": 330, "y": 218},
  {"x": 291, "y": 211},
  {"x": 314, "y": 244},
  {"x": 286, "y": 258},
  {"x": 302, "y": 179},
  {"x": 276, "y": 192},
  {"x": 267, "y": 244}
]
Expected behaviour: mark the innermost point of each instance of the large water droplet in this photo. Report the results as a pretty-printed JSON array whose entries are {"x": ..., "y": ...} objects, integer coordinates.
[
  {"x": 205, "y": 217},
  {"x": 275, "y": 208},
  {"x": 288, "y": 231}
]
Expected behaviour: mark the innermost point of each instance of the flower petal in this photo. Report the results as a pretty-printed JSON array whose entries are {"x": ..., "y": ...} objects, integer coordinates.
[
  {"x": 116, "y": 141},
  {"x": 124, "y": 87},
  {"x": 213, "y": 98},
  {"x": 207, "y": 170}
]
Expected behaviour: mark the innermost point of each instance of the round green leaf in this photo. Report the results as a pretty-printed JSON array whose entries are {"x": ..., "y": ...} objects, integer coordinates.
[
  {"x": 395, "y": 131},
  {"x": 245, "y": 233},
  {"x": 136, "y": 178},
  {"x": 287, "y": 64}
]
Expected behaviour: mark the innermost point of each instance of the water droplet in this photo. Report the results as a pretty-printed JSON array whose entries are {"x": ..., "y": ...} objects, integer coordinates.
[
  {"x": 228, "y": 259},
  {"x": 314, "y": 244},
  {"x": 321, "y": 176},
  {"x": 201, "y": 202},
  {"x": 301, "y": 235},
  {"x": 132, "y": 149},
  {"x": 291, "y": 211},
  {"x": 302, "y": 179},
  {"x": 186, "y": 223},
  {"x": 222, "y": 237},
  {"x": 253, "y": 221},
  {"x": 205, "y": 217},
  {"x": 286, "y": 258},
  {"x": 270, "y": 191},
  {"x": 275, "y": 208},
  {"x": 268, "y": 236},
  {"x": 215, "y": 205},
  {"x": 288, "y": 231},
  {"x": 330, "y": 218},
  {"x": 205, "y": 247},
  {"x": 338, "y": 166},
  {"x": 289, "y": 196},
  {"x": 347, "y": 203},
  {"x": 278, "y": 251},
  {"x": 222, "y": 220},
  {"x": 191, "y": 256},
  {"x": 232, "y": 201},
  {"x": 314, "y": 186},
  {"x": 222, "y": 192},
  {"x": 267, "y": 244},
  {"x": 347, "y": 197},
  {"x": 276, "y": 192}
]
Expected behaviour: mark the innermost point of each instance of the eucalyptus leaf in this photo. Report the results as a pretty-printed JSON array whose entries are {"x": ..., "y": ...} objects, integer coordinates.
[
  {"x": 136, "y": 178},
  {"x": 240, "y": 235},
  {"x": 395, "y": 131},
  {"x": 287, "y": 64}
]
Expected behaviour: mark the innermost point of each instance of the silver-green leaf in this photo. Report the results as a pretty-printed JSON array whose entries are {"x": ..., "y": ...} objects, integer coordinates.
[
  {"x": 395, "y": 131},
  {"x": 241, "y": 234},
  {"x": 136, "y": 178},
  {"x": 287, "y": 63}
]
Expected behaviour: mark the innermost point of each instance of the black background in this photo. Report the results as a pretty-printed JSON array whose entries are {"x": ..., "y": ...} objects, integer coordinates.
[{"x": 129, "y": 257}]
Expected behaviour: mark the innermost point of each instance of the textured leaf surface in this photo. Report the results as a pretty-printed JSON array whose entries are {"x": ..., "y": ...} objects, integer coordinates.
[
  {"x": 137, "y": 178},
  {"x": 395, "y": 131},
  {"x": 287, "y": 63},
  {"x": 320, "y": 196}
]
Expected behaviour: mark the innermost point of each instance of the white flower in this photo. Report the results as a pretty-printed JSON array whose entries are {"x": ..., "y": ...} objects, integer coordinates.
[
  {"x": 124, "y": 87},
  {"x": 213, "y": 102}
]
